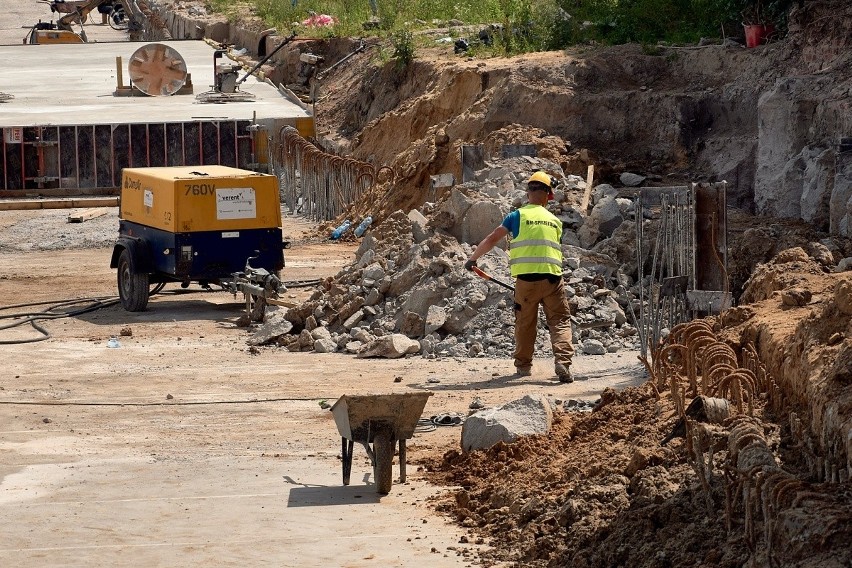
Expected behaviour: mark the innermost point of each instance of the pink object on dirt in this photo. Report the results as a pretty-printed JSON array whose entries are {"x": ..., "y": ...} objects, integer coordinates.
[{"x": 319, "y": 20}]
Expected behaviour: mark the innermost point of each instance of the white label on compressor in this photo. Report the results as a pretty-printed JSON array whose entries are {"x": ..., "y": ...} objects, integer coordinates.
[
  {"x": 230, "y": 234},
  {"x": 235, "y": 203},
  {"x": 148, "y": 198}
]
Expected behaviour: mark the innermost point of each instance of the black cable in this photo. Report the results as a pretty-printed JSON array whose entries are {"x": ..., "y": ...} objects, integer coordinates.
[
  {"x": 32, "y": 318},
  {"x": 425, "y": 425}
]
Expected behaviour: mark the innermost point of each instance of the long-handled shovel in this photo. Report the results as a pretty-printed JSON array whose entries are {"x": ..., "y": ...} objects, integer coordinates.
[{"x": 485, "y": 276}]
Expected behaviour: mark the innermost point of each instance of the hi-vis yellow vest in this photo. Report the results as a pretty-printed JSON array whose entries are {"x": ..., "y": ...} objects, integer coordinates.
[{"x": 537, "y": 248}]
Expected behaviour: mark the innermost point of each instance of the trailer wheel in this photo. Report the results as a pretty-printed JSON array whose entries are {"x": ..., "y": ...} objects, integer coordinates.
[
  {"x": 383, "y": 445},
  {"x": 132, "y": 286}
]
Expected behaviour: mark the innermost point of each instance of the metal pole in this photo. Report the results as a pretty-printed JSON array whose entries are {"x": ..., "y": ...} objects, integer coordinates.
[{"x": 287, "y": 40}]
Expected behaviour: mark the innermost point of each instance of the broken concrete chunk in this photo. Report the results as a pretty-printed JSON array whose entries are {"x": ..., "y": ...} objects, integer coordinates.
[
  {"x": 366, "y": 258},
  {"x": 320, "y": 333},
  {"x": 593, "y": 347},
  {"x": 325, "y": 346},
  {"x": 412, "y": 324},
  {"x": 353, "y": 320},
  {"x": 435, "y": 318},
  {"x": 373, "y": 272},
  {"x": 274, "y": 327},
  {"x": 604, "y": 190},
  {"x": 479, "y": 221},
  {"x": 844, "y": 264},
  {"x": 629, "y": 179},
  {"x": 821, "y": 253},
  {"x": 390, "y": 347},
  {"x": 523, "y": 417}
]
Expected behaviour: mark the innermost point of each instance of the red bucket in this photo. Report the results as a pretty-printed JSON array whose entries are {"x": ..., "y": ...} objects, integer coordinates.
[{"x": 757, "y": 34}]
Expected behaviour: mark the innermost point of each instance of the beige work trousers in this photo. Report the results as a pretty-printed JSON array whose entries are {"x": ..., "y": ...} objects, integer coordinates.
[{"x": 528, "y": 295}]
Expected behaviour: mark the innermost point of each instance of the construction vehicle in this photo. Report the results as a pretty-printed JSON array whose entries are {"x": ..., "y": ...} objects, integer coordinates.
[
  {"x": 75, "y": 13},
  {"x": 214, "y": 225}
]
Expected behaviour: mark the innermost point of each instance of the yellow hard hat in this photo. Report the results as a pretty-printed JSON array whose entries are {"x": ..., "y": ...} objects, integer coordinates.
[
  {"x": 541, "y": 177},
  {"x": 544, "y": 179}
]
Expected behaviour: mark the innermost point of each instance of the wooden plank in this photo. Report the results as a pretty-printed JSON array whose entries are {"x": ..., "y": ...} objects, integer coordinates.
[
  {"x": 283, "y": 303},
  {"x": 587, "y": 195},
  {"x": 87, "y": 214},
  {"x": 74, "y": 203}
]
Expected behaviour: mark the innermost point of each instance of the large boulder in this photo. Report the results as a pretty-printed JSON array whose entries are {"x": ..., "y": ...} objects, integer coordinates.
[
  {"x": 602, "y": 221},
  {"x": 479, "y": 221},
  {"x": 390, "y": 347},
  {"x": 523, "y": 417}
]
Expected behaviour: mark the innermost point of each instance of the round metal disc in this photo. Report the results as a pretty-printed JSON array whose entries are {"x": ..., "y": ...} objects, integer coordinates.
[{"x": 157, "y": 70}]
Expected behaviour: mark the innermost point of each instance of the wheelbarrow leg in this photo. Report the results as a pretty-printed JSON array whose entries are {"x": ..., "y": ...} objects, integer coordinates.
[
  {"x": 402, "y": 454},
  {"x": 347, "y": 459}
]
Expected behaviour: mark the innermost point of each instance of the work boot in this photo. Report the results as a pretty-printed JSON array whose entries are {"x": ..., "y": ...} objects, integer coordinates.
[
  {"x": 523, "y": 371},
  {"x": 563, "y": 373}
]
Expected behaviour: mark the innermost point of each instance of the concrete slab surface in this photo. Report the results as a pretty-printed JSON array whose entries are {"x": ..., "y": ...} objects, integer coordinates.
[
  {"x": 73, "y": 84},
  {"x": 16, "y": 19}
]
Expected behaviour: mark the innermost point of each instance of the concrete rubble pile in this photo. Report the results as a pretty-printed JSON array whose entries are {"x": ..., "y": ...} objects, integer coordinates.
[{"x": 408, "y": 292}]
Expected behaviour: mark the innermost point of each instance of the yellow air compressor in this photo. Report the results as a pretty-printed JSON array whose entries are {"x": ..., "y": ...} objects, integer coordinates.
[{"x": 197, "y": 224}]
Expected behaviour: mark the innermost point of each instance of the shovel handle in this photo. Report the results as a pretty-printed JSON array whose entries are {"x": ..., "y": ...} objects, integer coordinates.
[{"x": 485, "y": 276}]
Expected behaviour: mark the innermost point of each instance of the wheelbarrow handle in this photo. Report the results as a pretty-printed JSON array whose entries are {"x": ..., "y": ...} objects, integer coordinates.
[{"x": 484, "y": 275}]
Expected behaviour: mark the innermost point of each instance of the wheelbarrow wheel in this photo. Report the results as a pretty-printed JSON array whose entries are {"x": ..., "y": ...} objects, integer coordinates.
[{"x": 383, "y": 445}]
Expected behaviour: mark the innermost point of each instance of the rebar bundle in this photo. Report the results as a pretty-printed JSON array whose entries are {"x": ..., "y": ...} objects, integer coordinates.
[
  {"x": 671, "y": 264},
  {"x": 317, "y": 184},
  {"x": 763, "y": 501}
]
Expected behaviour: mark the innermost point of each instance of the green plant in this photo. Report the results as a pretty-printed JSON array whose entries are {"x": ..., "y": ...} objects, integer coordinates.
[
  {"x": 403, "y": 47},
  {"x": 525, "y": 25}
]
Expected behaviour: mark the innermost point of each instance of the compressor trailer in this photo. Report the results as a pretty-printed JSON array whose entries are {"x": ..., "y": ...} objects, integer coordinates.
[{"x": 198, "y": 224}]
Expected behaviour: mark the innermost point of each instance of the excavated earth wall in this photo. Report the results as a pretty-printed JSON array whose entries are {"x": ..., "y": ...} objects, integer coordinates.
[{"x": 768, "y": 120}]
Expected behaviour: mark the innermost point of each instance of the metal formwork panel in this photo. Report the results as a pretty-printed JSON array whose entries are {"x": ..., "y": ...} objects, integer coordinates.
[{"x": 80, "y": 159}]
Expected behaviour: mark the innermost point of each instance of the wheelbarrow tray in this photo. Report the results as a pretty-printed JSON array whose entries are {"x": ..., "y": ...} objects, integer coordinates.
[
  {"x": 357, "y": 415},
  {"x": 379, "y": 422}
]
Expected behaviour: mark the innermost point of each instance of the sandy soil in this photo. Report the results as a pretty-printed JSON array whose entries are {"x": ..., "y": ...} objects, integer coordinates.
[{"x": 184, "y": 446}]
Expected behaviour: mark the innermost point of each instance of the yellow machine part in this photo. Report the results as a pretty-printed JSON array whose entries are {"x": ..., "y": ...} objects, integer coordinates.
[
  {"x": 306, "y": 127},
  {"x": 184, "y": 199},
  {"x": 48, "y": 37},
  {"x": 261, "y": 147}
]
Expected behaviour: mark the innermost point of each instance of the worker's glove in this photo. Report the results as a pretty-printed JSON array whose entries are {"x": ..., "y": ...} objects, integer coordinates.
[{"x": 469, "y": 264}]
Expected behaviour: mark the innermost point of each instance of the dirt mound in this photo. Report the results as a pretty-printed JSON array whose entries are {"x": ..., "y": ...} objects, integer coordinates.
[{"x": 770, "y": 485}]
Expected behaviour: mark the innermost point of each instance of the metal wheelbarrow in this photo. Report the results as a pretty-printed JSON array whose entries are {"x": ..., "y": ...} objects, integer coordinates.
[{"x": 380, "y": 420}]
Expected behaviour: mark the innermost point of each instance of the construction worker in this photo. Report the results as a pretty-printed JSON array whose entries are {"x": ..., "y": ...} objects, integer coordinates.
[{"x": 535, "y": 260}]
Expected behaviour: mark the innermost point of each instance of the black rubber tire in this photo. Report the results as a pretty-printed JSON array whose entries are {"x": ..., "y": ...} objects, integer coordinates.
[
  {"x": 132, "y": 286},
  {"x": 118, "y": 20},
  {"x": 383, "y": 445}
]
